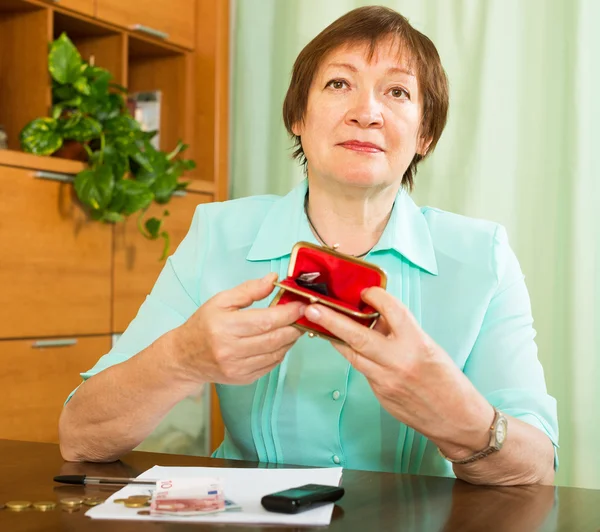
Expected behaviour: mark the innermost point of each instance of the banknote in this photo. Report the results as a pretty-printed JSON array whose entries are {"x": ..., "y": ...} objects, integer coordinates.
[{"x": 188, "y": 496}]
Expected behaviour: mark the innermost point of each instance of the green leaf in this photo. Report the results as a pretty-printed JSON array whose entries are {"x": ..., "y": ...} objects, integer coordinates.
[
  {"x": 109, "y": 107},
  {"x": 81, "y": 85},
  {"x": 41, "y": 136},
  {"x": 70, "y": 121},
  {"x": 112, "y": 217},
  {"x": 99, "y": 81},
  {"x": 119, "y": 88},
  {"x": 153, "y": 227},
  {"x": 131, "y": 196},
  {"x": 63, "y": 92},
  {"x": 57, "y": 111},
  {"x": 164, "y": 186},
  {"x": 64, "y": 61},
  {"x": 122, "y": 126},
  {"x": 84, "y": 130},
  {"x": 117, "y": 160},
  {"x": 94, "y": 187},
  {"x": 178, "y": 149}
]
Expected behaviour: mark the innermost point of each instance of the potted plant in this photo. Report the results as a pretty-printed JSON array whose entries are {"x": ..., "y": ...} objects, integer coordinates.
[{"x": 90, "y": 118}]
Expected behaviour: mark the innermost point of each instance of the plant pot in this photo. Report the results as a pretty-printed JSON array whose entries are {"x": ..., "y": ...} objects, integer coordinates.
[{"x": 73, "y": 150}]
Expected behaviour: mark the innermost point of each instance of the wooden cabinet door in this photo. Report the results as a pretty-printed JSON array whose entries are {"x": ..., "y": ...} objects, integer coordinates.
[
  {"x": 136, "y": 259},
  {"x": 87, "y": 7},
  {"x": 55, "y": 264},
  {"x": 36, "y": 381},
  {"x": 171, "y": 20}
]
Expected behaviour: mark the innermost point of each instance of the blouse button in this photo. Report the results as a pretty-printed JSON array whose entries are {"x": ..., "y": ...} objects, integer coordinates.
[
  {"x": 336, "y": 459},
  {"x": 335, "y": 395}
]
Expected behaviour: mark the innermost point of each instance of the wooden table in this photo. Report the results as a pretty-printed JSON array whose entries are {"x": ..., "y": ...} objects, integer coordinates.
[{"x": 373, "y": 501}]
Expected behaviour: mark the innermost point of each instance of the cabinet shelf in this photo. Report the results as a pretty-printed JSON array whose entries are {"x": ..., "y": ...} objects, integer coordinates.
[{"x": 19, "y": 159}]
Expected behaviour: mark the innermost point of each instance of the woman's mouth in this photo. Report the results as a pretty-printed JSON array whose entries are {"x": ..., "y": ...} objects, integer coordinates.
[{"x": 365, "y": 147}]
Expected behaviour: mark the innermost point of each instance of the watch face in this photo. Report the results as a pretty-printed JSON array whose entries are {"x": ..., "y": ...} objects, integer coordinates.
[{"x": 501, "y": 431}]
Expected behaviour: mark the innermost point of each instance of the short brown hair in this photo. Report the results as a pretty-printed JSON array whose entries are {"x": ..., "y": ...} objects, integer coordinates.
[{"x": 371, "y": 25}]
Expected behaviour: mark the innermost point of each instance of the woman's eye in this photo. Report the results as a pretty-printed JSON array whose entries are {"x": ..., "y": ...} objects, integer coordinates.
[
  {"x": 336, "y": 84},
  {"x": 398, "y": 92}
]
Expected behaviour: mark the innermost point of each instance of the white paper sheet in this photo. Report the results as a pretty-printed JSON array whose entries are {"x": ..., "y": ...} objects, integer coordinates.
[{"x": 244, "y": 486}]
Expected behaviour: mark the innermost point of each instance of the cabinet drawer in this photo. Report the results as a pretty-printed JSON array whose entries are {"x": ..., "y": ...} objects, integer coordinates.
[
  {"x": 136, "y": 264},
  {"x": 55, "y": 269},
  {"x": 36, "y": 381},
  {"x": 171, "y": 20},
  {"x": 80, "y": 6}
]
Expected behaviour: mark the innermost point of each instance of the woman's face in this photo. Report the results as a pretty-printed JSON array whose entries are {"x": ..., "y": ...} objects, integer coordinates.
[{"x": 361, "y": 125}]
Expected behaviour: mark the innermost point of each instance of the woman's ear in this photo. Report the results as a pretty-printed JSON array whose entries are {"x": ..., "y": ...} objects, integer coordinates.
[
  {"x": 297, "y": 129},
  {"x": 423, "y": 146}
]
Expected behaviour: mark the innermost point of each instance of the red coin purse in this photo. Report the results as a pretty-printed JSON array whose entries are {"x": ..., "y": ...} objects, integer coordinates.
[{"x": 321, "y": 275}]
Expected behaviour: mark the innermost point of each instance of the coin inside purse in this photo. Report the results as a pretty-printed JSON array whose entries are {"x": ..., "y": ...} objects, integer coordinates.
[{"x": 321, "y": 275}]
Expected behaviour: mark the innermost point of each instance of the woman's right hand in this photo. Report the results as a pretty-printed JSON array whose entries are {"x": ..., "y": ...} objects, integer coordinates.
[{"x": 222, "y": 343}]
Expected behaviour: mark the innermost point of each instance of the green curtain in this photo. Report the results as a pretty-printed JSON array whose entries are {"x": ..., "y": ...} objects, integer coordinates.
[{"x": 520, "y": 148}]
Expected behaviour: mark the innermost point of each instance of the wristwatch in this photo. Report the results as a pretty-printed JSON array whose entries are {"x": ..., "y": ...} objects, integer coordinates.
[{"x": 498, "y": 432}]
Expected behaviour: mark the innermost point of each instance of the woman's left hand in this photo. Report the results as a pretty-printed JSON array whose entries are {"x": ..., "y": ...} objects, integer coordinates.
[{"x": 413, "y": 378}]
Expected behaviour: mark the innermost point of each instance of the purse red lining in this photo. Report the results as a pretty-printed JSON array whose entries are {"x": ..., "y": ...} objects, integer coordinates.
[{"x": 345, "y": 280}]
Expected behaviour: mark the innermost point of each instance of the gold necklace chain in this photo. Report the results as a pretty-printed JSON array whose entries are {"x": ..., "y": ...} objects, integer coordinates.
[{"x": 320, "y": 239}]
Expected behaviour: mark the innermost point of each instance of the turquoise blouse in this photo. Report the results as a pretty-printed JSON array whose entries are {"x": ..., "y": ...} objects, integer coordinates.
[{"x": 458, "y": 276}]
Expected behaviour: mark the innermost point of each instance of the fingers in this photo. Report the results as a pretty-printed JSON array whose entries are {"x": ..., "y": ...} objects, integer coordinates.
[
  {"x": 281, "y": 338},
  {"x": 255, "y": 367},
  {"x": 382, "y": 326},
  {"x": 253, "y": 322},
  {"x": 360, "y": 363},
  {"x": 395, "y": 314},
  {"x": 245, "y": 294},
  {"x": 360, "y": 338}
]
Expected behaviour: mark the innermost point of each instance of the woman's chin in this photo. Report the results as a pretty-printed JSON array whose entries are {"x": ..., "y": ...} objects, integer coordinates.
[{"x": 363, "y": 178}]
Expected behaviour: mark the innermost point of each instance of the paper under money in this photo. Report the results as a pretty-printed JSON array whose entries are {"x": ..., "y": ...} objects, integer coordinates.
[{"x": 188, "y": 496}]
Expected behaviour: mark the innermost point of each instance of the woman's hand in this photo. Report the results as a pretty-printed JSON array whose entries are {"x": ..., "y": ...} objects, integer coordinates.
[
  {"x": 413, "y": 378},
  {"x": 224, "y": 344}
]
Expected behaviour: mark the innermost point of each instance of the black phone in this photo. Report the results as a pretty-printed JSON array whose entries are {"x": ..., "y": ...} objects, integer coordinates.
[{"x": 302, "y": 498}]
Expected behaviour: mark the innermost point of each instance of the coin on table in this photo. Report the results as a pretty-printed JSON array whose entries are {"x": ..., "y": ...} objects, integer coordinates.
[
  {"x": 44, "y": 506},
  {"x": 72, "y": 501},
  {"x": 135, "y": 504},
  {"x": 93, "y": 501},
  {"x": 144, "y": 512},
  {"x": 119, "y": 501},
  {"x": 18, "y": 505},
  {"x": 71, "y": 509},
  {"x": 139, "y": 498}
]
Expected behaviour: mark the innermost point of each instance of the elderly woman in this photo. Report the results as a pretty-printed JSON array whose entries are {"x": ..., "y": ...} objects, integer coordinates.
[{"x": 447, "y": 382}]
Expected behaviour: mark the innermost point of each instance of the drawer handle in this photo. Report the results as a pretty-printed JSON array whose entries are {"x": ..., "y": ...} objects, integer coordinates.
[
  {"x": 149, "y": 31},
  {"x": 53, "y": 176},
  {"x": 63, "y": 342},
  {"x": 180, "y": 193}
]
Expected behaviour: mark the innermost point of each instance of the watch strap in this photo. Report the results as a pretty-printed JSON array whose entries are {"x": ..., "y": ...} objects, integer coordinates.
[{"x": 490, "y": 449}]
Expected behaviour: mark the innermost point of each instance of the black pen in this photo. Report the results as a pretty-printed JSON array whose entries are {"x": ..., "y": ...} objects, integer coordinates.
[{"x": 84, "y": 479}]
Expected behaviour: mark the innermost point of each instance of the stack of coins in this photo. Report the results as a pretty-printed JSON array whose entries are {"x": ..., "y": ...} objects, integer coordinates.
[
  {"x": 135, "y": 501},
  {"x": 71, "y": 504},
  {"x": 21, "y": 506},
  {"x": 18, "y": 506}
]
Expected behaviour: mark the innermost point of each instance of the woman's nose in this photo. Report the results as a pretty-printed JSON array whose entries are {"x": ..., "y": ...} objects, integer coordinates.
[{"x": 365, "y": 111}]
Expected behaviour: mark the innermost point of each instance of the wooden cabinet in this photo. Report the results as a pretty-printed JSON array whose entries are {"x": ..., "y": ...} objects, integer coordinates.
[
  {"x": 36, "y": 380},
  {"x": 136, "y": 264},
  {"x": 171, "y": 20},
  {"x": 55, "y": 270},
  {"x": 86, "y": 7},
  {"x": 62, "y": 275}
]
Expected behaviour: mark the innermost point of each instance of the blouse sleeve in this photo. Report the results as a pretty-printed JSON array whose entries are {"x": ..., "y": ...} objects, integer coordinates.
[
  {"x": 173, "y": 299},
  {"x": 503, "y": 364}
]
